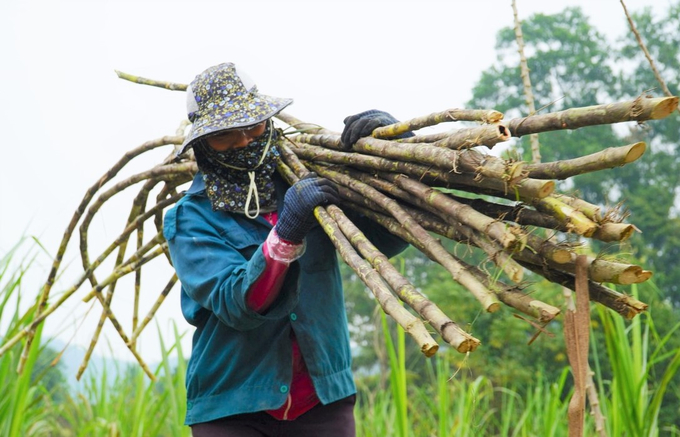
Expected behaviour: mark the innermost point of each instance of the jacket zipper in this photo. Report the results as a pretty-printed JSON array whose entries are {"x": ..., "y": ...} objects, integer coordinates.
[{"x": 290, "y": 404}]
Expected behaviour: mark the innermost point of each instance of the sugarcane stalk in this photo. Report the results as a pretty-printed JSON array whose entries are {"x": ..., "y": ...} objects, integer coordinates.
[
  {"x": 610, "y": 227},
  {"x": 602, "y": 270},
  {"x": 591, "y": 211},
  {"x": 608, "y": 158},
  {"x": 609, "y": 232},
  {"x": 39, "y": 318},
  {"x": 599, "y": 270},
  {"x": 155, "y": 173},
  {"x": 575, "y": 220},
  {"x": 448, "y": 226},
  {"x": 133, "y": 262},
  {"x": 525, "y": 189},
  {"x": 463, "y": 234},
  {"x": 427, "y": 138},
  {"x": 458, "y": 231},
  {"x": 447, "y": 328},
  {"x": 89, "y": 194},
  {"x": 625, "y": 305},
  {"x": 518, "y": 213},
  {"x": 416, "y": 236},
  {"x": 467, "y": 160},
  {"x": 446, "y": 159},
  {"x": 107, "y": 313},
  {"x": 640, "y": 109},
  {"x": 120, "y": 331},
  {"x": 546, "y": 249},
  {"x": 158, "y": 217},
  {"x": 327, "y": 140},
  {"x": 483, "y": 115},
  {"x": 515, "y": 298},
  {"x": 411, "y": 325},
  {"x": 510, "y": 238},
  {"x": 157, "y": 83},
  {"x": 131, "y": 227},
  {"x": 140, "y": 243},
  {"x": 166, "y": 290},
  {"x": 420, "y": 235},
  {"x": 488, "y": 136},
  {"x": 106, "y": 310}
]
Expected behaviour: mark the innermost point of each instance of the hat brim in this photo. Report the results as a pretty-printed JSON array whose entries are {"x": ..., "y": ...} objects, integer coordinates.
[{"x": 236, "y": 113}]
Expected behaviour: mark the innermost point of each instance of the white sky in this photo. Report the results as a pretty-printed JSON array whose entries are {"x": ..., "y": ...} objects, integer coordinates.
[{"x": 67, "y": 118}]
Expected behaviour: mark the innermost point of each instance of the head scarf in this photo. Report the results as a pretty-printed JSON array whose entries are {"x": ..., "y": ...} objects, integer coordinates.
[{"x": 240, "y": 180}]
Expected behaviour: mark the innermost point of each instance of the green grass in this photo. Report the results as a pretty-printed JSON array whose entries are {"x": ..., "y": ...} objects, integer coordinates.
[
  {"x": 22, "y": 404},
  {"x": 131, "y": 405},
  {"x": 634, "y": 395},
  {"x": 124, "y": 403},
  {"x": 442, "y": 400}
]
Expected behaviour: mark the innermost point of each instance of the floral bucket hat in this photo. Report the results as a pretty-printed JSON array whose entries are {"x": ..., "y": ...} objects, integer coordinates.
[{"x": 224, "y": 97}]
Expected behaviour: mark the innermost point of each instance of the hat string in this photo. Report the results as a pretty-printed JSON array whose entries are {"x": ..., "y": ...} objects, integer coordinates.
[{"x": 252, "y": 188}]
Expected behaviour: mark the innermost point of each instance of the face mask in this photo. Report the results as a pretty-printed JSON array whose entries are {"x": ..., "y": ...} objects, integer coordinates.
[{"x": 240, "y": 180}]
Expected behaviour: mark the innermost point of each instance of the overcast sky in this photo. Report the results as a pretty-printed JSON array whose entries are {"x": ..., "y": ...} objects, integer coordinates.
[{"x": 67, "y": 118}]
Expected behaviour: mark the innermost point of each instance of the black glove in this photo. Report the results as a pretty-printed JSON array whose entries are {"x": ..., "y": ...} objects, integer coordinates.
[
  {"x": 297, "y": 216},
  {"x": 362, "y": 124}
]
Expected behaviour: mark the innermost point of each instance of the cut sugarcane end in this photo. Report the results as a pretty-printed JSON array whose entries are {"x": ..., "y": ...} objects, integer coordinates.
[
  {"x": 664, "y": 108},
  {"x": 635, "y": 152}
]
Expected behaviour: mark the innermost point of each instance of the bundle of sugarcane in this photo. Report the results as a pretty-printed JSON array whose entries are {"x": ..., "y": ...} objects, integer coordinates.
[
  {"x": 397, "y": 183},
  {"x": 413, "y": 187}
]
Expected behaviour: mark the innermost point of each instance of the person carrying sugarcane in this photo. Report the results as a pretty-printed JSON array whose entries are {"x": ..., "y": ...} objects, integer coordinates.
[{"x": 260, "y": 279}]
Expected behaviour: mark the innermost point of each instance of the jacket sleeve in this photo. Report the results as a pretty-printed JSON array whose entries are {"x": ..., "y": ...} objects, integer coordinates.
[{"x": 216, "y": 270}]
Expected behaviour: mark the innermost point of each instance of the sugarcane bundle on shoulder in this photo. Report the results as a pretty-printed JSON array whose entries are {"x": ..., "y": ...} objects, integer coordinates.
[{"x": 395, "y": 177}]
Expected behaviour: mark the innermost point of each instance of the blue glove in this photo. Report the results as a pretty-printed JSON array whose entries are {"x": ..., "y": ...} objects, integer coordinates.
[
  {"x": 297, "y": 216},
  {"x": 361, "y": 125}
]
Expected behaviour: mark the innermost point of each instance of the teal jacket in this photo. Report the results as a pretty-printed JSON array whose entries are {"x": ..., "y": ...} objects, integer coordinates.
[{"x": 241, "y": 360}]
